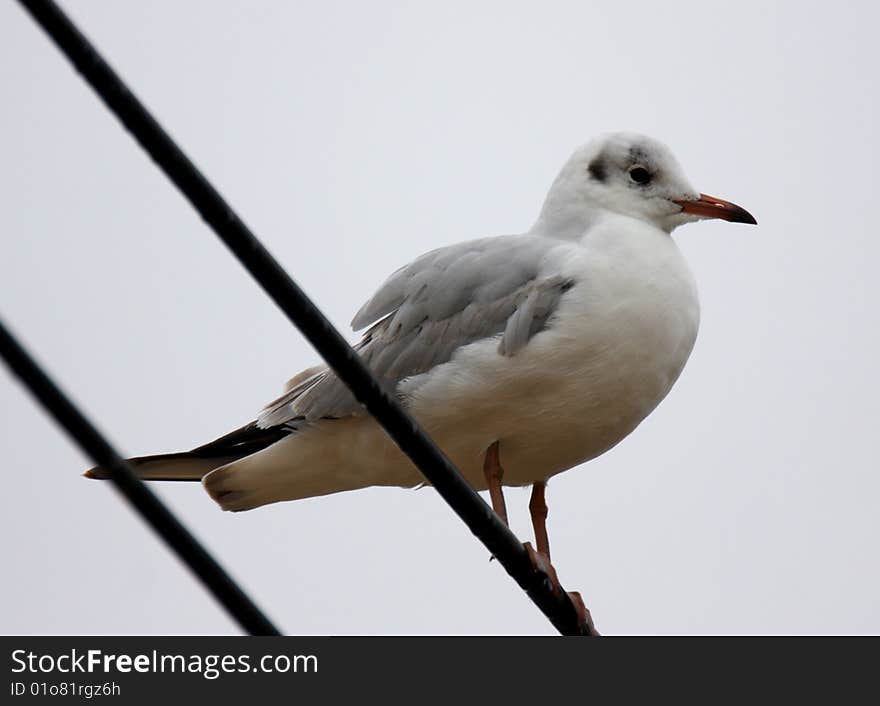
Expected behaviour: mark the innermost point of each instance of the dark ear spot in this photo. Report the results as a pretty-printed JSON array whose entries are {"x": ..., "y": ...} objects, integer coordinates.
[{"x": 598, "y": 170}]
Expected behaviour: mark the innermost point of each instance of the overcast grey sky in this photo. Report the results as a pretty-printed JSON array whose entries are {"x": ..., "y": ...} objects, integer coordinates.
[{"x": 355, "y": 136}]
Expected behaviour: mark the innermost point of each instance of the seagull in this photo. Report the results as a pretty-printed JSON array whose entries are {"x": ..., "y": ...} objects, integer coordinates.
[{"x": 521, "y": 355}]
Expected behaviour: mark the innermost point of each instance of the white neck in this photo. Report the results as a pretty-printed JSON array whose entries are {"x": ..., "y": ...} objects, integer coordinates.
[{"x": 566, "y": 214}]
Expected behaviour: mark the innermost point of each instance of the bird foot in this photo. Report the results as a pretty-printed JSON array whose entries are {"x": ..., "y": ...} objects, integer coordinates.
[
  {"x": 541, "y": 564},
  {"x": 585, "y": 620}
]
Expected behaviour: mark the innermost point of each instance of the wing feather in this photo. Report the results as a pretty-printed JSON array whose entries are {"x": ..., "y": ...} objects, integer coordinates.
[{"x": 426, "y": 311}]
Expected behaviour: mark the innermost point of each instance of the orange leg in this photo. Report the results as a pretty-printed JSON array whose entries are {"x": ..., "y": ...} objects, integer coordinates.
[
  {"x": 494, "y": 474},
  {"x": 541, "y": 558},
  {"x": 538, "y": 511}
]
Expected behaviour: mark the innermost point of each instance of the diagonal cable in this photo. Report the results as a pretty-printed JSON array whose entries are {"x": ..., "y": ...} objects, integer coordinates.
[{"x": 166, "y": 525}]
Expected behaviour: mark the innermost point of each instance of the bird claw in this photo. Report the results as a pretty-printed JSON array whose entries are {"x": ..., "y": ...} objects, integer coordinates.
[
  {"x": 585, "y": 620},
  {"x": 541, "y": 564}
]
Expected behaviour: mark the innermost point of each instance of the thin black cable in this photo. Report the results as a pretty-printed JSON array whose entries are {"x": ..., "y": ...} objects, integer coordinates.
[
  {"x": 93, "y": 443},
  {"x": 399, "y": 425}
]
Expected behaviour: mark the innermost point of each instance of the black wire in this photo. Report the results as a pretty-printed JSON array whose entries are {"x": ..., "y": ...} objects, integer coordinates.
[
  {"x": 90, "y": 440},
  {"x": 399, "y": 425}
]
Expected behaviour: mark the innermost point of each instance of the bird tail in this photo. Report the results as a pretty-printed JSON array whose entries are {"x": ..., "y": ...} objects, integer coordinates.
[{"x": 195, "y": 464}]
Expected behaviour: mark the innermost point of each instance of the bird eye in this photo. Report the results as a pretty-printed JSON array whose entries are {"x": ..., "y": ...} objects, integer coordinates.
[{"x": 640, "y": 175}]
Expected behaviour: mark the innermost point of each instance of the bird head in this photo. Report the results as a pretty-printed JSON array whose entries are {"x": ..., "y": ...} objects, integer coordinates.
[{"x": 636, "y": 176}]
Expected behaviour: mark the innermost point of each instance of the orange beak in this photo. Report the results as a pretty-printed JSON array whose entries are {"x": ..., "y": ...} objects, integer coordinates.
[{"x": 711, "y": 207}]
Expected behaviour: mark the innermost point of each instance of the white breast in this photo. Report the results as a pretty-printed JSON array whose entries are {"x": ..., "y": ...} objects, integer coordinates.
[{"x": 618, "y": 342}]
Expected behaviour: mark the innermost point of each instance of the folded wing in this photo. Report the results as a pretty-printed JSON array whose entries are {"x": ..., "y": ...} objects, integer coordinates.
[{"x": 426, "y": 311}]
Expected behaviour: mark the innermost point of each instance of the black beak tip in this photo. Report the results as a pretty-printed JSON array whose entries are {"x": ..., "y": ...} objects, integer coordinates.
[{"x": 743, "y": 216}]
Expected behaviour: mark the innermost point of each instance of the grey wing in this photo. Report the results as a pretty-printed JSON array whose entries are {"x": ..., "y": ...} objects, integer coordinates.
[{"x": 427, "y": 310}]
